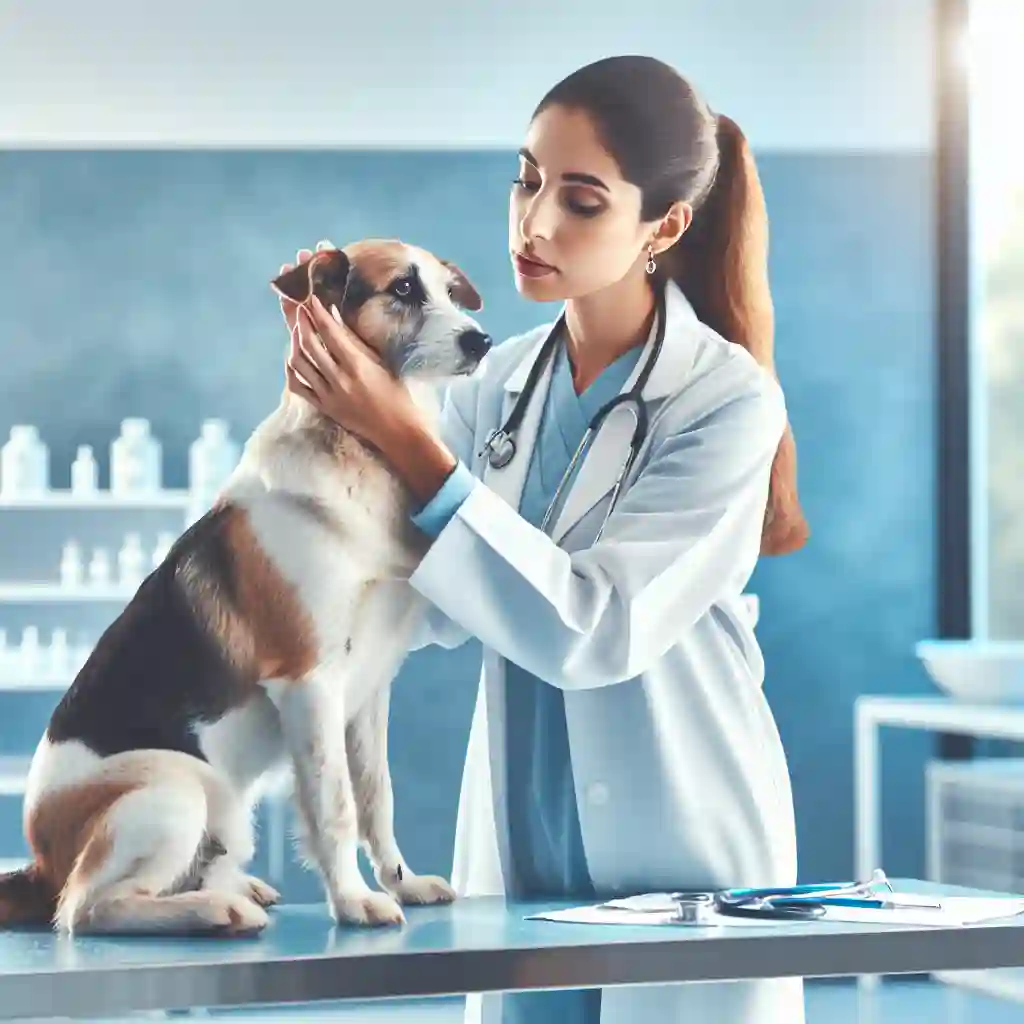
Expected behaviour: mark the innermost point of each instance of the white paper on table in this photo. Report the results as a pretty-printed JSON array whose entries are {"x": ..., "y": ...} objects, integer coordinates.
[{"x": 657, "y": 909}]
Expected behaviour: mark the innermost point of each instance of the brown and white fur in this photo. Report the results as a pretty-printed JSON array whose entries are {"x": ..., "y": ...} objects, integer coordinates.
[{"x": 267, "y": 640}]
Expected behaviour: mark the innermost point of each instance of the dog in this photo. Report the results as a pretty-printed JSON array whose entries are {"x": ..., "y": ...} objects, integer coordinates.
[{"x": 265, "y": 642}]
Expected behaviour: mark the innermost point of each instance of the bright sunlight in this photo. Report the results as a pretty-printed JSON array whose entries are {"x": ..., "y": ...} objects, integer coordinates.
[{"x": 994, "y": 54}]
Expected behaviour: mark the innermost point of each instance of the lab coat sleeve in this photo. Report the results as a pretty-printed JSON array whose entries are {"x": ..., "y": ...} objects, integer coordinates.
[{"x": 689, "y": 526}]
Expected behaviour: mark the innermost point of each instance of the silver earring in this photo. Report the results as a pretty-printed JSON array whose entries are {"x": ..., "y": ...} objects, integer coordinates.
[{"x": 651, "y": 265}]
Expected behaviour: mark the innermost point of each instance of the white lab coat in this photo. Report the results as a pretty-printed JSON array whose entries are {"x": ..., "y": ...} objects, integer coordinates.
[{"x": 680, "y": 774}]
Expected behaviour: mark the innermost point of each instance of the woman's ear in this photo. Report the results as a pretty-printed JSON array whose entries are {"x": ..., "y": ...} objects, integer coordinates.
[{"x": 672, "y": 226}]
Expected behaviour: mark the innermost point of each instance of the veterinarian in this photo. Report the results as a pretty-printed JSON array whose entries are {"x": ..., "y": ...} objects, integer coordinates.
[{"x": 621, "y": 740}]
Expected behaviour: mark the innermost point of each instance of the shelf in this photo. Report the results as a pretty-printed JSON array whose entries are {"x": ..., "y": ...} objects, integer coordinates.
[
  {"x": 940, "y": 713},
  {"x": 66, "y": 499},
  {"x": 47, "y": 592},
  {"x": 13, "y": 772},
  {"x": 37, "y": 684}
]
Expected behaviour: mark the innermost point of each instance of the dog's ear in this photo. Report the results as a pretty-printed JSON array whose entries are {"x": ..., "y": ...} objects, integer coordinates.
[
  {"x": 463, "y": 291},
  {"x": 324, "y": 274}
]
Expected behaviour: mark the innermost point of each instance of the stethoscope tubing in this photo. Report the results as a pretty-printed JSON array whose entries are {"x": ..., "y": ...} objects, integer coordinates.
[{"x": 500, "y": 447}]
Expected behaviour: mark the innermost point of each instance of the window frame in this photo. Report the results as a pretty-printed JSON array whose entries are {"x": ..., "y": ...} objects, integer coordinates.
[{"x": 957, "y": 497}]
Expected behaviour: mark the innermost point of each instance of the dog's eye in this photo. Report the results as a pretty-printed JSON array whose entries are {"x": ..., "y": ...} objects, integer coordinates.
[{"x": 408, "y": 290}]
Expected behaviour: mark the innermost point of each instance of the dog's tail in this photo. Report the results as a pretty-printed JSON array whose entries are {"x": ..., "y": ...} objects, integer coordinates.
[{"x": 26, "y": 898}]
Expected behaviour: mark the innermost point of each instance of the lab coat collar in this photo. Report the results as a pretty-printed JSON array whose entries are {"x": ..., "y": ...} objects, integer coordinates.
[{"x": 669, "y": 372}]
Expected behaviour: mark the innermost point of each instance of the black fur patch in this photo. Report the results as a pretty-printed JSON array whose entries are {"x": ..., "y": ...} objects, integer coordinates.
[
  {"x": 156, "y": 671},
  {"x": 359, "y": 292}
]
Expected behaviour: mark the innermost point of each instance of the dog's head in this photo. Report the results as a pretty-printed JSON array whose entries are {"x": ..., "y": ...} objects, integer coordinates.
[{"x": 404, "y": 302}]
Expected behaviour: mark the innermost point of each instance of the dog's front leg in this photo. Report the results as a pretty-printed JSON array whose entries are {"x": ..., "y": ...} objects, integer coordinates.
[
  {"x": 313, "y": 720},
  {"x": 366, "y": 743}
]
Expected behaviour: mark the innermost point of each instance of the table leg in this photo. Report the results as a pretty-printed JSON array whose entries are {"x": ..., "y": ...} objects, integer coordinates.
[
  {"x": 866, "y": 811},
  {"x": 277, "y": 838}
]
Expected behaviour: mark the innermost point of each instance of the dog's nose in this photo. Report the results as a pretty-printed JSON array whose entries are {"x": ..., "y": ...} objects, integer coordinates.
[{"x": 474, "y": 343}]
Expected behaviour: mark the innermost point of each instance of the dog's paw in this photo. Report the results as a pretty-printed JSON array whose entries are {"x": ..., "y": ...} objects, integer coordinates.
[
  {"x": 233, "y": 915},
  {"x": 258, "y": 891},
  {"x": 367, "y": 908},
  {"x": 223, "y": 876},
  {"x": 421, "y": 889}
]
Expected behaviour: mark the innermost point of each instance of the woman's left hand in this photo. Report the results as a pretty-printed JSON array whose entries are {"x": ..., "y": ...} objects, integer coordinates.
[{"x": 342, "y": 377}]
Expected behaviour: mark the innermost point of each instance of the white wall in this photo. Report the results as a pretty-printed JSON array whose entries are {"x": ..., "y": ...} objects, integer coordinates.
[{"x": 797, "y": 74}]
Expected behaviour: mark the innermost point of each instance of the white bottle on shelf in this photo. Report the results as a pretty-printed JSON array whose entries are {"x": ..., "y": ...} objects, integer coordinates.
[
  {"x": 131, "y": 561},
  {"x": 164, "y": 542},
  {"x": 24, "y": 462},
  {"x": 135, "y": 457},
  {"x": 212, "y": 457},
  {"x": 99, "y": 567},
  {"x": 28, "y": 655},
  {"x": 59, "y": 661},
  {"x": 84, "y": 471},
  {"x": 72, "y": 570}
]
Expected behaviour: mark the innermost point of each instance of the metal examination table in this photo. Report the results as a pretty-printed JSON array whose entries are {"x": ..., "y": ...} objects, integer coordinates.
[{"x": 474, "y": 945}]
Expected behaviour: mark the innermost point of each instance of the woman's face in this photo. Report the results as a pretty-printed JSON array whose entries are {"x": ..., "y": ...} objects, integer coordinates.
[{"x": 571, "y": 212}]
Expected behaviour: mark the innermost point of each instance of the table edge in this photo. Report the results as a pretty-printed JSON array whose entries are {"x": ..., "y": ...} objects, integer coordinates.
[{"x": 433, "y": 973}]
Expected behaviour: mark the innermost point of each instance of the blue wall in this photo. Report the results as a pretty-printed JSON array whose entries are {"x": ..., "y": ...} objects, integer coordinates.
[{"x": 135, "y": 284}]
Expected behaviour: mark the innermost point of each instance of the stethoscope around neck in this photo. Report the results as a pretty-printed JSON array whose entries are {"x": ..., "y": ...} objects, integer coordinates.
[{"x": 500, "y": 446}]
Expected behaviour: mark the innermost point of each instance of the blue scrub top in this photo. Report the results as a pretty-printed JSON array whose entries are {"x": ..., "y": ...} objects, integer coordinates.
[{"x": 546, "y": 847}]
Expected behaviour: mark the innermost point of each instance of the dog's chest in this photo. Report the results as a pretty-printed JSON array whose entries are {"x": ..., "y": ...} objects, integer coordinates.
[
  {"x": 348, "y": 489},
  {"x": 348, "y": 561}
]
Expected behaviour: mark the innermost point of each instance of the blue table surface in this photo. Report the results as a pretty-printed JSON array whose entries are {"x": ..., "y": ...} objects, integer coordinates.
[{"x": 474, "y": 924}]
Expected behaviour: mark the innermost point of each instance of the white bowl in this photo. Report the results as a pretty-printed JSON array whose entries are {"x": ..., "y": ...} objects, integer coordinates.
[{"x": 979, "y": 671}]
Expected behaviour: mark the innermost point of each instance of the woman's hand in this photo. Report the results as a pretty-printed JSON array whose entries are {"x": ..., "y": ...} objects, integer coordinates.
[{"x": 343, "y": 378}]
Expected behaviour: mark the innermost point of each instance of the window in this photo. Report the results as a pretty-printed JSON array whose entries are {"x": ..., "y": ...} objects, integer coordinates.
[{"x": 995, "y": 65}]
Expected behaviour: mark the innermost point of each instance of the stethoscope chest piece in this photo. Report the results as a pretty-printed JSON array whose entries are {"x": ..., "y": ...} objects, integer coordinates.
[
  {"x": 694, "y": 907},
  {"x": 500, "y": 449}
]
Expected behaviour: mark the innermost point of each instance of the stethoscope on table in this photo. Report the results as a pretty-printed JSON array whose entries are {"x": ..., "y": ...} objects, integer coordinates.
[
  {"x": 500, "y": 446},
  {"x": 793, "y": 903}
]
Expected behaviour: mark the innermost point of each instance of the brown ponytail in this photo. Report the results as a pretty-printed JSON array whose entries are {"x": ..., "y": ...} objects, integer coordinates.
[{"x": 721, "y": 264}]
